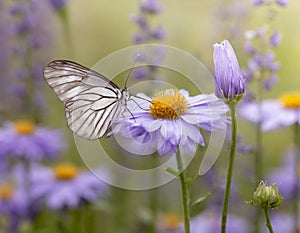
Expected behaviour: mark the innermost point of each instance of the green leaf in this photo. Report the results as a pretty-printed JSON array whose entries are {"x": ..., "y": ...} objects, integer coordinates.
[
  {"x": 172, "y": 171},
  {"x": 200, "y": 199},
  {"x": 194, "y": 178}
]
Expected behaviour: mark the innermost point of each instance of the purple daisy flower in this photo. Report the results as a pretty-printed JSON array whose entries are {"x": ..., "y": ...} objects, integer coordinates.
[
  {"x": 13, "y": 200},
  {"x": 24, "y": 139},
  {"x": 275, "y": 114},
  {"x": 173, "y": 120},
  {"x": 16, "y": 201},
  {"x": 65, "y": 185}
]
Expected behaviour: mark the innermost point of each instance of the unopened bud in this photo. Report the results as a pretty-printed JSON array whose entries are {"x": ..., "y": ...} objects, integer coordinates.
[{"x": 267, "y": 197}]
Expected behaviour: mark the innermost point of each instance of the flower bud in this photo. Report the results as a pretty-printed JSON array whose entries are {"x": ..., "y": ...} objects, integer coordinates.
[
  {"x": 267, "y": 197},
  {"x": 229, "y": 81}
]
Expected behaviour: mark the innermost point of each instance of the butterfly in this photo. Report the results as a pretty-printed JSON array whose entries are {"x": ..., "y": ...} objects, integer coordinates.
[{"x": 91, "y": 100}]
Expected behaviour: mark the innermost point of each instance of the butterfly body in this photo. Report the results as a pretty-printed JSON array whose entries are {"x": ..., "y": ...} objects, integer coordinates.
[{"x": 91, "y": 100}]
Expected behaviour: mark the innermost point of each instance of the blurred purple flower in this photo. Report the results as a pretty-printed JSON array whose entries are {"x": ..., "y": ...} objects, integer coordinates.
[
  {"x": 274, "y": 67},
  {"x": 140, "y": 73},
  {"x": 58, "y": 4},
  {"x": 147, "y": 33},
  {"x": 249, "y": 48},
  {"x": 275, "y": 39},
  {"x": 13, "y": 200},
  {"x": 65, "y": 185},
  {"x": 158, "y": 33},
  {"x": 275, "y": 114},
  {"x": 257, "y": 2},
  {"x": 284, "y": 176},
  {"x": 16, "y": 201},
  {"x": 270, "y": 82},
  {"x": 151, "y": 6},
  {"x": 23, "y": 139},
  {"x": 235, "y": 224},
  {"x": 259, "y": 63},
  {"x": 268, "y": 59},
  {"x": 282, "y": 3},
  {"x": 24, "y": 29},
  {"x": 252, "y": 66},
  {"x": 229, "y": 81},
  {"x": 277, "y": 221},
  {"x": 174, "y": 119},
  {"x": 242, "y": 147},
  {"x": 209, "y": 222}
]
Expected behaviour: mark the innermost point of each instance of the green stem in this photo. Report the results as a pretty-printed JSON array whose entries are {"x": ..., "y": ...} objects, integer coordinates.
[
  {"x": 268, "y": 221},
  {"x": 258, "y": 164},
  {"x": 154, "y": 198},
  {"x": 258, "y": 134},
  {"x": 230, "y": 166},
  {"x": 184, "y": 193},
  {"x": 297, "y": 181}
]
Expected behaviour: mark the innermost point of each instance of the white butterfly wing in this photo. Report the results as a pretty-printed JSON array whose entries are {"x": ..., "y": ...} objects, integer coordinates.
[{"x": 91, "y": 100}]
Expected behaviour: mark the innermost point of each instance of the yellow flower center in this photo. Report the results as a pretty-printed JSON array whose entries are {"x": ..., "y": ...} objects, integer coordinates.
[
  {"x": 168, "y": 104},
  {"x": 65, "y": 171},
  {"x": 171, "y": 221},
  {"x": 291, "y": 100},
  {"x": 24, "y": 127},
  {"x": 6, "y": 191}
]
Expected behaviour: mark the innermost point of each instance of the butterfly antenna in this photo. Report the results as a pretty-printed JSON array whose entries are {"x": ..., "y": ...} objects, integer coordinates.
[{"x": 130, "y": 71}]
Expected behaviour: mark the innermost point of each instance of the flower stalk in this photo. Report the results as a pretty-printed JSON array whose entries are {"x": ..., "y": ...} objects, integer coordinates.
[
  {"x": 266, "y": 197},
  {"x": 296, "y": 173},
  {"x": 184, "y": 194},
  {"x": 268, "y": 221},
  {"x": 230, "y": 166},
  {"x": 230, "y": 87}
]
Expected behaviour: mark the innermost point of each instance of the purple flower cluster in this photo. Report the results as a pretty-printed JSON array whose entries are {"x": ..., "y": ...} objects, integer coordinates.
[
  {"x": 148, "y": 33},
  {"x": 262, "y": 64},
  {"x": 26, "y": 41},
  {"x": 262, "y": 61},
  {"x": 26, "y": 29}
]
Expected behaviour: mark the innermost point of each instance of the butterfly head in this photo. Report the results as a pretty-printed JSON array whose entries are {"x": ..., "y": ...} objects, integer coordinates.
[{"x": 125, "y": 94}]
